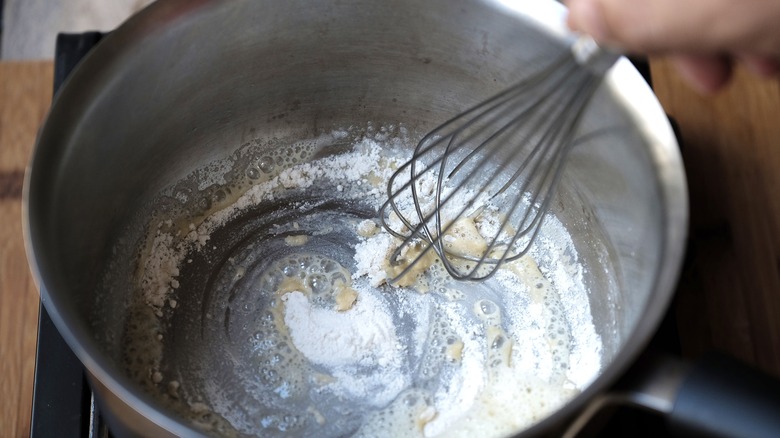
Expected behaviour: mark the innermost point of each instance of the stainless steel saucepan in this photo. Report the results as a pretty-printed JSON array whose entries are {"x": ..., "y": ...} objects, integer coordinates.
[{"x": 186, "y": 82}]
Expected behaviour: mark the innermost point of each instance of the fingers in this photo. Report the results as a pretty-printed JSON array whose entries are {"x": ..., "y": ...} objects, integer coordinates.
[
  {"x": 632, "y": 25},
  {"x": 761, "y": 65},
  {"x": 704, "y": 37},
  {"x": 706, "y": 74},
  {"x": 652, "y": 26}
]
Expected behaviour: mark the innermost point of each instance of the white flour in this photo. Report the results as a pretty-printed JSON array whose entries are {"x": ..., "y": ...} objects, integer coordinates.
[
  {"x": 461, "y": 356},
  {"x": 162, "y": 265},
  {"x": 361, "y": 335}
]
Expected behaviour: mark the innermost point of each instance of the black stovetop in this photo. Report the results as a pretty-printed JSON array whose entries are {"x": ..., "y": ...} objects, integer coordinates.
[{"x": 63, "y": 405}]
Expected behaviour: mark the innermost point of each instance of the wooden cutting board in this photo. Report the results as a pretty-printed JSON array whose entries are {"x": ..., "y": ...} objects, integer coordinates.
[
  {"x": 729, "y": 294},
  {"x": 25, "y": 96}
]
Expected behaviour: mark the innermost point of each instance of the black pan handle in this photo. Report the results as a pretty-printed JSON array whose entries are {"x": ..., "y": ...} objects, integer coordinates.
[
  {"x": 721, "y": 396},
  {"x": 717, "y": 396}
]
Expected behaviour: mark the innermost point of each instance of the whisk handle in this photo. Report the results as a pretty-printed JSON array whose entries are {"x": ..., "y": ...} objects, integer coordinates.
[{"x": 592, "y": 56}]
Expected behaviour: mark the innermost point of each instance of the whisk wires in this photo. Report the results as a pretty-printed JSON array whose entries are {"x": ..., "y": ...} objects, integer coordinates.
[{"x": 496, "y": 165}]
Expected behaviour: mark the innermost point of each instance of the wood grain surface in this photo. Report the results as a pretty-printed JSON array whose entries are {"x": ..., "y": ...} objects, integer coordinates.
[
  {"x": 25, "y": 96},
  {"x": 729, "y": 293}
]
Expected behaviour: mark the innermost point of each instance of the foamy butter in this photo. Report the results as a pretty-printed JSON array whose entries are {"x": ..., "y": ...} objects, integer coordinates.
[
  {"x": 511, "y": 399},
  {"x": 510, "y": 402},
  {"x": 489, "y": 388},
  {"x": 297, "y": 240},
  {"x": 442, "y": 363},
  {"x": 406, "y": 416},
  {"x": 504, "y": 383}
]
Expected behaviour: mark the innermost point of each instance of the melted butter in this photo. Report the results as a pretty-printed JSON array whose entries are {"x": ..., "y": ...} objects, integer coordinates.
[
  {"x": 216, "y": 201},
  {"x": 407, "y": 415},
  {"x": 298, "y": 240},
  {"x": 494, "y": 411},
  {"x": 318, "y": 417},
  {"x": 419, "y": 260},
  {"x": 201, "y": 203},
  {"x": 557, "y": 333},
  {"x": 376, "y": 180},
  {"x": 528, "y": 272},
  {"x": 345, "y": 297},
  {"x": 498, "y": 412},
  {"x": 322, "y": 379},
  {"x": 367, "y": 228},
  {"x": 455, "y": 351},
  {"x": 292, "y": 284},
  {"x": 499, "y": 349},
  {"x": 464, "y": 240}
]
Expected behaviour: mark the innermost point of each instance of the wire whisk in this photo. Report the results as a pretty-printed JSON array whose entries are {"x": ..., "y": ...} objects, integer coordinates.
[{"x": 477, "y": 188}]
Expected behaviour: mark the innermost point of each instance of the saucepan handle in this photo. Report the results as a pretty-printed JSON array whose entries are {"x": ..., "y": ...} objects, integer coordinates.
[
  {"x": 720, "y": 396},
  {"x": 715, "y": 396}
]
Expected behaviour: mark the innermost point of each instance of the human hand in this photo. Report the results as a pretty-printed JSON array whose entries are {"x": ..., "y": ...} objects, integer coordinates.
[{"x": 704, "y": 38}]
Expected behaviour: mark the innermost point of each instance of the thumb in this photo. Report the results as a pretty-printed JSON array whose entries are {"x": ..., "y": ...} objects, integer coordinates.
[{"x": 673, "y": 25}]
